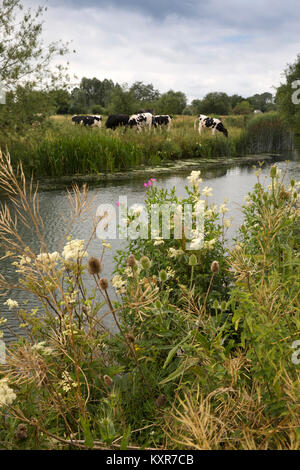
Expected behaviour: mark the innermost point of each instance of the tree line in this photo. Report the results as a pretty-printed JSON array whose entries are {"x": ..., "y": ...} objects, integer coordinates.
[{"x": 106, "y": 97}]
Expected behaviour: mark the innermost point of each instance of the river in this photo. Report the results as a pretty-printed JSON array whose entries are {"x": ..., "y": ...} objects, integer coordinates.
[{"x": 231, "y": 181}]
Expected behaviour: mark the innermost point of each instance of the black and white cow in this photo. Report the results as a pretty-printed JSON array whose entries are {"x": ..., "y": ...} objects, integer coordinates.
[
  {"x": 210, "y": 123},
  {"x": 163, "y": 120},
  {"x": 141, "y": 120},
  {"x": 93, "y": 120},
  {"x": 117, "y": 120}
]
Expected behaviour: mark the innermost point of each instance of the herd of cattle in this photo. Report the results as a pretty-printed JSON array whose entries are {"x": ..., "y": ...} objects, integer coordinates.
[{"x": 146, "y": 120}]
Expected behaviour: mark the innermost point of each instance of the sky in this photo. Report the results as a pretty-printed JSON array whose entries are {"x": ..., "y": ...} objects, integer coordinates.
[{"x": 194, "y": 46}]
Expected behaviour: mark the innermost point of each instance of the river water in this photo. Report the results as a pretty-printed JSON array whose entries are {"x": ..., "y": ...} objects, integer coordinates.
[{"x": 232, "y": 182}]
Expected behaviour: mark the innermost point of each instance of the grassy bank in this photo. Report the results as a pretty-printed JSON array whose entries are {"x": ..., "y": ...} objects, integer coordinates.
[
  {"x": 59, "y": 148},
  {"x": 204, "y": 354}
]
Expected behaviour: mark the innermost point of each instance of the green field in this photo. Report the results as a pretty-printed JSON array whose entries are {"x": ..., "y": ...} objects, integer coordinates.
[{"x": 58, "y": 148}]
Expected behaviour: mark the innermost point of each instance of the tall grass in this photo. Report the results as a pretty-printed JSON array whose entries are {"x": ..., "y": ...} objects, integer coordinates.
[{"x": 63, "y": 149}]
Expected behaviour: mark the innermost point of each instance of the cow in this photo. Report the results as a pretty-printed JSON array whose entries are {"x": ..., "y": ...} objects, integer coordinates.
[
  {"x": 141, "y": 120},
  {"x": 210, "y": 123},
  {"x": 117, "y": 120},
  {"x": 93, "y": 120},
  {"x": 163, "y": 120}
]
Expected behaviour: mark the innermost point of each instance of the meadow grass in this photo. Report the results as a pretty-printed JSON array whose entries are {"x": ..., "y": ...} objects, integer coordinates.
[{"x": 59, "y": 148}]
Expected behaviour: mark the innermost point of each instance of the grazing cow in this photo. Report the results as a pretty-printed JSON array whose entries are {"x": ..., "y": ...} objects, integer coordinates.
[
  {"x": 163, "y": 120},
  {"x": 94, "y": 120},
  {"x": 117, "y": 120},
  {"x": 141, "y": 120},
  {"x": 210, "y": 123}
]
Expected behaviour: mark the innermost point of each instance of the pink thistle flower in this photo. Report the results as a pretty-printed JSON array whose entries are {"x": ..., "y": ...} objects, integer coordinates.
[
  {"x": 145, "y": 184},
  {"x": 150, "y": 183},
  {"x": 118, "y": 204},
  {"x": 153, "y": 179}
]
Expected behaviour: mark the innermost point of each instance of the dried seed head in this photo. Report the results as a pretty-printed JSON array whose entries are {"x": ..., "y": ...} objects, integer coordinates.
[
  {"x": 108, "y": 380},
  {"x": 94, "y": 266},
  {"x": 215, "y": 267},
  {"x": 21, "y": 432},
  {"x": 131, "y": 337},
  {"x": 161, "y": 401},
  {"x": 103, "y": 283},
  {"x": 131, "y": 261}
]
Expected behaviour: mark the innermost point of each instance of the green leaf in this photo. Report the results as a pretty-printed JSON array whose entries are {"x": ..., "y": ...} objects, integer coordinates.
[
  {"x": 173, "y": 352},
  {"x": 88, "y": 438},
  {"x": 125, "y": 438},
  {"x": 184, "y": 366}
]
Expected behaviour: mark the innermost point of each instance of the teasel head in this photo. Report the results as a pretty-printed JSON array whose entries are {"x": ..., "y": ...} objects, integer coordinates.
[
  {"x": 103, "y": 283},
  {"x": 21, "y": 432},
  {"x": 161, "y": 401},
  {"x": 94, "y": 266},
  {"x": 215, "y": 267},
  {"x": 131, "y": 261}
]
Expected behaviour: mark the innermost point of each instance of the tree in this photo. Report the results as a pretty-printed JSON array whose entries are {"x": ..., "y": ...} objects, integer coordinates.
[
  {"x": 288, "y": 96},
  {"x": 263, "y": 101},
  {"x": 171, "y": 102},
  {"x": 244, "y": 107},
  {"x": 23, "y": 56},
  {"x": 122, "y": 100},
  {"x": 215, "y": 103},
  {"x": 25, "y": 64},
  {"x": 144, "y": 93}
]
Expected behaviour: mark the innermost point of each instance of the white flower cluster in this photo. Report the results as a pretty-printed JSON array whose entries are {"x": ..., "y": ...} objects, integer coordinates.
[
  {"x": 48, "y": 258},
  {"x": 74, "y": 249},
  {"x": 7, "y": 395},
  {"x": 22, "y": 263},
  {"x": 158, "y": 241},
  {"x": 67, "y": 382},
  {"x": 194, "y": 178},
  {"x": 42, "y": 349},
  {"x": 173, "y": 253},
  {"x": 119, "y": 284},
  {"x": 11, "y": 304},
  {"x": 207, "y": 192}
]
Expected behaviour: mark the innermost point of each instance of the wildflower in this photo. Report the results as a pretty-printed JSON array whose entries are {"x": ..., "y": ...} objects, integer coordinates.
[
  {"x": 194, "y": 178},
  {"x": 158, "y": 241},
  {"x": 136, "y": 209},
  {"x": 227, "y": 223},
  {"x": 223, "y": 209},
  {"x": 209, "y": 244},
  {"x": 7, "y": 395},
  {"x": 215, "y": 267},
  {"x": 207, "y": 192},
  {"x": 199, "y": 207},
  {"x": 67, "y": 382},
  {"x": 47, "y": 258},
  {"x": 196, "y": 243},
  {"x": 106, "y": 245},
  {"x": 173, "y": 253},
  {"x": 103, "y": 283},
  {"x": 119, "y": 284},
  {"x": 94, "y": 266},
  {"x": 41, "y": 348},
  {"x": 74, "y": 249},
  {"x": 11, "y": 304},
  {"x": 128, "y": 271}
]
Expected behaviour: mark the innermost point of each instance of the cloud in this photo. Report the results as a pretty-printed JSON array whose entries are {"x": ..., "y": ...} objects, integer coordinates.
[{"x": 196, "y": 47}]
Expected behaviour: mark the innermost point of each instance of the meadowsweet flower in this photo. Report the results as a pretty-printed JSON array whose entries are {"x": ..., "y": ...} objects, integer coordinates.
[
  {"x": 119, "y": 284},
  {"x": 223, "y": 209},
  {"x": 199, "y": 207},
  {"x": 170, "y": 273},
  {"x": 67, "y": 383},
  {"x": 227, "y": 223},
  {"x": 158, "y": 241},
  {"x": 74, "y": 249},
  {"x": 209, "y": 244},
  {"x": 136, "y": 209},
  {"x": 173, "y": 253},
  {"x": 7, "y": 395},
  {"x": 207, "y": 192},
  {"x": 48, "y": 258},
  {"x": 11, "y": 304},
  {"x": 41, "y": 348},
  {"x": 194, "y": 178},
  {"x": 106, "y": 245}
]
